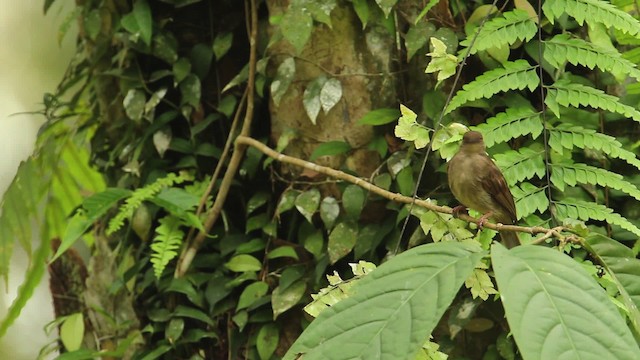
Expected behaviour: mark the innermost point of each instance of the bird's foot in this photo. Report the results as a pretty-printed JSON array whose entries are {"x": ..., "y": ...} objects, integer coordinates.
[
  {"x": 460, "y": 209},
  {"x": 483, "y": 219}
]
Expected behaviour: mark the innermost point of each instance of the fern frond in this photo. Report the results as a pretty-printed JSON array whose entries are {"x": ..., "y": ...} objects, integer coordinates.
[
  {"x": 166, "y": 243},
  {"x": 514, "y": 75},
  {"x": 563, "y": 48},
  {"x": 597, "y": 11},
  {"x": 572, "y": 174},
  {"x": 570, "y": 94},
  {"x": 566, "y": 136},
  {"x": 512, "y": 123},
  {"x": 522, "y": 164},
  {"x": 529, "y": 199},
  {"x": 143, "y": 194},
  {"x": 584, "y": 210},
  {"x": 516, "y": 25}
]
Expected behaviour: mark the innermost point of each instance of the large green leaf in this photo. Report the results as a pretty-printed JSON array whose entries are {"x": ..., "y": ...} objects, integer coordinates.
[
  {"x": 623, "y": 267},
  {"x": 393, "y": 309},
  {"x": 556, "y": 310}
]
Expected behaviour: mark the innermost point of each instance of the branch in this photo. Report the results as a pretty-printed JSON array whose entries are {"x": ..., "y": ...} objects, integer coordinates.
[
  {"x": 337, "y": 174},
  {"x": 189, "y": 252}
]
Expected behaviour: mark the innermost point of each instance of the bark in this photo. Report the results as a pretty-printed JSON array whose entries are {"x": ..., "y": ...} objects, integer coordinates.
[{"x": 361, "y": 60}]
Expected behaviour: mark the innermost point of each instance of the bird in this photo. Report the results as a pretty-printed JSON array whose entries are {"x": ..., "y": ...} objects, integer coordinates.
[{"x": 477, "y": 183}]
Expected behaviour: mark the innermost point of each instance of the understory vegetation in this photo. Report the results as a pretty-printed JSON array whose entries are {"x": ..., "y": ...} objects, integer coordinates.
[{"x": 266, "y": 180}]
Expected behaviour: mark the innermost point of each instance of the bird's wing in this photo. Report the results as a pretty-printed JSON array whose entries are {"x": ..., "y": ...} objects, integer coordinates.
[{"x": 495, "y": 184}]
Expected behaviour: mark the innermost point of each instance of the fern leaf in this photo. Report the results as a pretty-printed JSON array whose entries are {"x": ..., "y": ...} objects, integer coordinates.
[
  {"x": 583, "y": 210},
  {"x": 597, "y": 11},
  {"x": 570, "y": 94},
  {"x": 522, "y": 164},
  {"x": 567, "y": 136},
  {"x": 563, "y": 48},
  {"x": 512, "y": 123},
  {"x": 515, "y": 75},
  {"x": 529, "y": 199},
  {"x": 516, "y": 25},
  {"x": 143, "y": 194},
  {"x": 571, "y": 174},
  {"x": 166, "y": 243}
]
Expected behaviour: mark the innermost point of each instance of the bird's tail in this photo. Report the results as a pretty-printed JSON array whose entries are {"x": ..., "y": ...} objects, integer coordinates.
[{"x": 509, "y": 239}]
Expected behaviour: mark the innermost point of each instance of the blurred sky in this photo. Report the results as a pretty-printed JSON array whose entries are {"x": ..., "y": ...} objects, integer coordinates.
[{"x": 32, "y": 62}]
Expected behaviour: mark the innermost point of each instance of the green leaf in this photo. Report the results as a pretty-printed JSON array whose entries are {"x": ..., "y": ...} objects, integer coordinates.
[
  {"x": 512, "y": 123},
  {"x": 139, "y": 21},
  {"x": 543, "y": 289},
  {"x": 330, "y": 94},
  {"x": 96, "y": 206},
  {"x": 562, "y": 48},
  {"x": 408, "y": 129},
  {"x": 567, "y": 136},
  {"x": 221, "y": 44},
  {"x": 342, "y": 240},
  {"x": 311, "y": 97},
  {"x": 329, "y": 211},
  {"x": 192, "y": 313},
  {"x": 251, "y": 294},
  {"x": 134, "y": 103},
  {"x": 257, "y": 200},
  {"x": 181, "y": 69},
  {"x": 314, "y": 243},
  {"x": 571, "y": 94},
  {"x": 93, "y": 23},
  {"x": 380, "y": 117},
  {"x": 165, "y": 245},
  {"x": 72, "y": 331},
  {"x": 362, "y": 10},
  {"x": 32, "y": 279},
  {"x": 501, "y": 32},
  {"x": 282, "y": 251},
  {"x": 380, "y": 320},
  {"x": 514, "y": 75},
  {"x": 353, "y": 199},
  {"x": 242, "y": 263},
  {"x": 572, "y": 174},
  {"x": 583, "y": 210},
  {"x": 307, "y": 203},
  {"x": 521, "y": 165},
  {"x": 386, "y": 6},
  {"x": 191, "y": 90},
  {"x": 593, "y": 10},
  {"x": 201, "y": 56},
  {"x": 142, "y": 14},
  {"x": 296, "y": 26},
  {"x": 267, "y": 341},
  {"x": 287, "y": 201},
  {"x": 417, "y": 37},
  {"x": 441, "y": 61},
  {"x": 282, "y": 80},
  {"x": 330, "y": 148},
  {"x": 529, "y": 199},
  {"x": 621, "y": 263},
  {"x": 320, "y": 10},
  {"x": 174, "y": 330},
  {"x": 284, "y": 299}
]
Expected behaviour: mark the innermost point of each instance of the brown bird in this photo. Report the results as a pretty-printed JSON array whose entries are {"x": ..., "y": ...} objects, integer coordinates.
[{"x": 478, "y": 184}]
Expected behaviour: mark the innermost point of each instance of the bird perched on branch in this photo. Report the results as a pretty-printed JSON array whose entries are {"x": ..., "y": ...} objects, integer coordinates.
[{"x": 478, "y": 184}]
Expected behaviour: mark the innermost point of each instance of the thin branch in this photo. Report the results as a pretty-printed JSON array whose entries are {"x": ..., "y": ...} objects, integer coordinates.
[
  {"x": 220, "y": 164},
  {"x": 188, "y": 254},
  {"x": 337, "y": 174}
]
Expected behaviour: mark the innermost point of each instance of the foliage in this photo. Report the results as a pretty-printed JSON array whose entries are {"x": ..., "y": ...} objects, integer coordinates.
[{"x": 150, "y": 107}]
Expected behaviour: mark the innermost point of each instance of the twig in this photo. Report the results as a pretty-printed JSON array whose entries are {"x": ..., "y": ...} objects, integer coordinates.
[
  {"x": 337, "y": 174},
  {"x": 220, "y": 164},
  {"x": 187, "y": 255}
]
